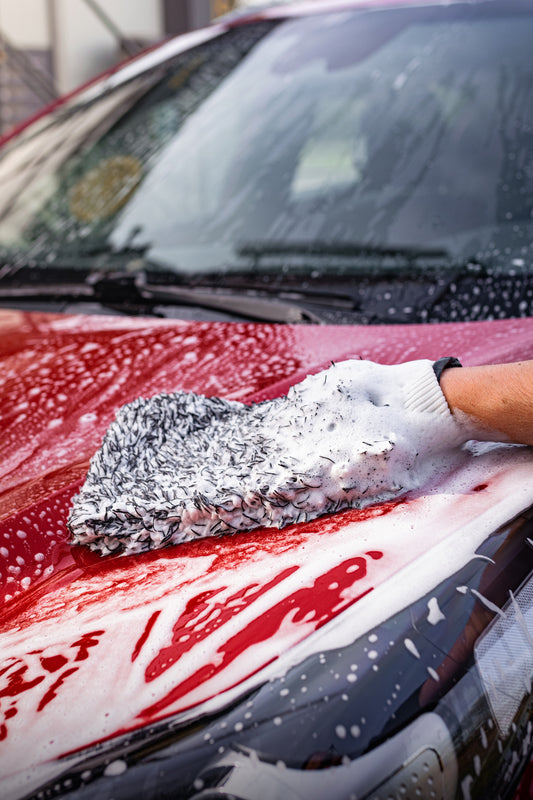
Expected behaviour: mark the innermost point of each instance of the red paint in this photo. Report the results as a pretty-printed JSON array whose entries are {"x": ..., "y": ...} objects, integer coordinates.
[
  {"x": 74, "y": 372},
  {"x": 316, "y": 603},
  {"x": 19, "y": 681},
  {"x": 77, "y": 371},
  {"x": 309, "y": 607},
  {"x": 33, "y": 539},
  {"x": 84, "y": 643},
  {"x": 524, "y": 790},
  {"x": 80, "y": 564},
  {"x": 201, "y": 618},
  {"x": 145, "y": 634},
  {"x": 17, "y": 685},
  {"x": 7, "y": 667},
  {"x": 61, "y": 381},
  {"x": 53, "y": 663},
  {"x": 51, "y": 693}
]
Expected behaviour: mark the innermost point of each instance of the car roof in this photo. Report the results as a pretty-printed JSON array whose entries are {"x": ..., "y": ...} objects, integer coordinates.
[
  {"x": 282, "y": 9},
  {"x": 266, "y": 11}
]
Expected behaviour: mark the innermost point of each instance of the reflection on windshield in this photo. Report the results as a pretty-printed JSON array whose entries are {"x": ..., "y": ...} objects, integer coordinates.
[
  {"x": 386, "y": 129},
  {"x": 31, "y": 174}
]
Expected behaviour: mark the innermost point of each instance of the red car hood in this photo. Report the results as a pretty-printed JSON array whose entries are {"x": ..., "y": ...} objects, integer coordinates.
[{"x": 125, "y": 641}]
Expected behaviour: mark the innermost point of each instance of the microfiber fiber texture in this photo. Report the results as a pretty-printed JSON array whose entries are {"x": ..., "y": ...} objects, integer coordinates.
[{"x": 181, "y": 466}]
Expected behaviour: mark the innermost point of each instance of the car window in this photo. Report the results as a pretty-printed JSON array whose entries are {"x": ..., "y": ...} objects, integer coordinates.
[{"x": 407, "y": 128}]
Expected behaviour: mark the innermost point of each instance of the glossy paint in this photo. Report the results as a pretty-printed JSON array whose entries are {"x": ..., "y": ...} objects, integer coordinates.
[
  {"x": 124, "y": 642},
  {"x": 63, "y": 377}
]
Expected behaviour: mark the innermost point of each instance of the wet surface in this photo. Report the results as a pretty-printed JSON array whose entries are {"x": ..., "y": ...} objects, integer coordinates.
[{"x": 129, "y": 640}]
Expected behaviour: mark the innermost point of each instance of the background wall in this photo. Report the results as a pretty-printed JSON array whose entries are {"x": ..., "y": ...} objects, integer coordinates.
[
  {"x": 48, "y": 47},
  {"x": 85, "y": 43}
]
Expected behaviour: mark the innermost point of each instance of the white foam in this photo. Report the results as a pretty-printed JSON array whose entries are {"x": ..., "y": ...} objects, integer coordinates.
[
  {"x": 179, "y": 467},
  {"x": 435, "y": 615}
]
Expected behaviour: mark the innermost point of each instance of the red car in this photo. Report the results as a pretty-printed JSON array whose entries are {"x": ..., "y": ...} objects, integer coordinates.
[{"x": 224, "y": 215}]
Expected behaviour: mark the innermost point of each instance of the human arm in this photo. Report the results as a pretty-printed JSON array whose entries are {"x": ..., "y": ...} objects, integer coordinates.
[{"x": 498, "y": 397}]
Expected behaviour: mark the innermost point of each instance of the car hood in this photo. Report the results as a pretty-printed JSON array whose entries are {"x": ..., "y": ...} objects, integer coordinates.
[{"x": 122, "y": 642}]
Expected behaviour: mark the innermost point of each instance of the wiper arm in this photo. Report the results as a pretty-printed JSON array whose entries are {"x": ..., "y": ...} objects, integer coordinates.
[
  {"x": 247, "y": 304},
  {"x": 120, "y": 287}
]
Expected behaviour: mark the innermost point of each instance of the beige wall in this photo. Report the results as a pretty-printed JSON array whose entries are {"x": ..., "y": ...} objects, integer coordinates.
[
  {"x": 82, "y": 45},
  {"x": 25, "y": 22}
]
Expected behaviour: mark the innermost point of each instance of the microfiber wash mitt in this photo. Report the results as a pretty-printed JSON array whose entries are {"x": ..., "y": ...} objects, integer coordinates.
[{"x": 180, "y": 466}]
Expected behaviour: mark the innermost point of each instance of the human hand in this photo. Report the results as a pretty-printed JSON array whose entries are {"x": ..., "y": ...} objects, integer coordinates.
[{"x": 182, "y": 466}]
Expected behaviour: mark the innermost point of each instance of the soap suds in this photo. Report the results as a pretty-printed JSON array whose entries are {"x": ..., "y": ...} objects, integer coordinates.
[{"x": 182, "y": 466}]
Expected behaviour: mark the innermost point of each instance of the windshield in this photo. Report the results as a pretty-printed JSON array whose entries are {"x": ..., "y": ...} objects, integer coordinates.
[{"x": 333, "y": 133}]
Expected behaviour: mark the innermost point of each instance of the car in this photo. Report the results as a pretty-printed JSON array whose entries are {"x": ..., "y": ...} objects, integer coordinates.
[{"x": 224, "y": 215}]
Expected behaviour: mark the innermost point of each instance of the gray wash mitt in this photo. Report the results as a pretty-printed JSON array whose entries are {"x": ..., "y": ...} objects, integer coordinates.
[{"x": 180, "y": 466}]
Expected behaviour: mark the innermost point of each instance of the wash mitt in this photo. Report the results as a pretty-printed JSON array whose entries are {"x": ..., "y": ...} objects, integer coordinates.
[{"x": 181, "y": 466}]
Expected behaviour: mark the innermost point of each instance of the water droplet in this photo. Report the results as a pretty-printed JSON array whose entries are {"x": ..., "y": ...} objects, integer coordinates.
[{"x": 411, "y": 646}]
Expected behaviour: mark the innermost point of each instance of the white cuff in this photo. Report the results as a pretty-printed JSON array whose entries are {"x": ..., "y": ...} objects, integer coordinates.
[{"x": 423, "y": 392}]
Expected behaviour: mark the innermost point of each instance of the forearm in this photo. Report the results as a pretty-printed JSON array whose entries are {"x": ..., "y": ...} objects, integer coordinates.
[{"x": 498, "y": 397}]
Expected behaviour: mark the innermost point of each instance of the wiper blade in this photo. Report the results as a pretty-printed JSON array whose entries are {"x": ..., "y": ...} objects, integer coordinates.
[
  {"x": 260, "y": 250},
  {"x": 65, "y": 282},
  {"x": 25, "y": 281},
  {"x": 286, "y": 287},
  {"x": 250, "y": 304},
  {"x": 121, "y": 287}
]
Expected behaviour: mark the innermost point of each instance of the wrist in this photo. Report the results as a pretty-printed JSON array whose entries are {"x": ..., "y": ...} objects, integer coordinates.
[
  {"x": 442, "y": 364},
  {"x": 472, "y": 394}
]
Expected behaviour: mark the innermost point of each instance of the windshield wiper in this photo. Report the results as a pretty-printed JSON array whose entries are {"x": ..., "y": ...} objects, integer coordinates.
[
  {"x": 31, "y": 281},
  {"x": 123, "y": 288},
  {"x": 309, "y": 291},
  {"x": 373, "y": 256},
  {"x": 249, "y": 304}
]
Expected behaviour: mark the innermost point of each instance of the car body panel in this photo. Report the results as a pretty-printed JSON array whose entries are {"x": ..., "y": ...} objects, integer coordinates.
[
  {"x": 185, "y": 630},
  {"x": 63, "y": 377},
  {"x": 170, "y": 669},
  {"x": 124, "y": 642}
]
